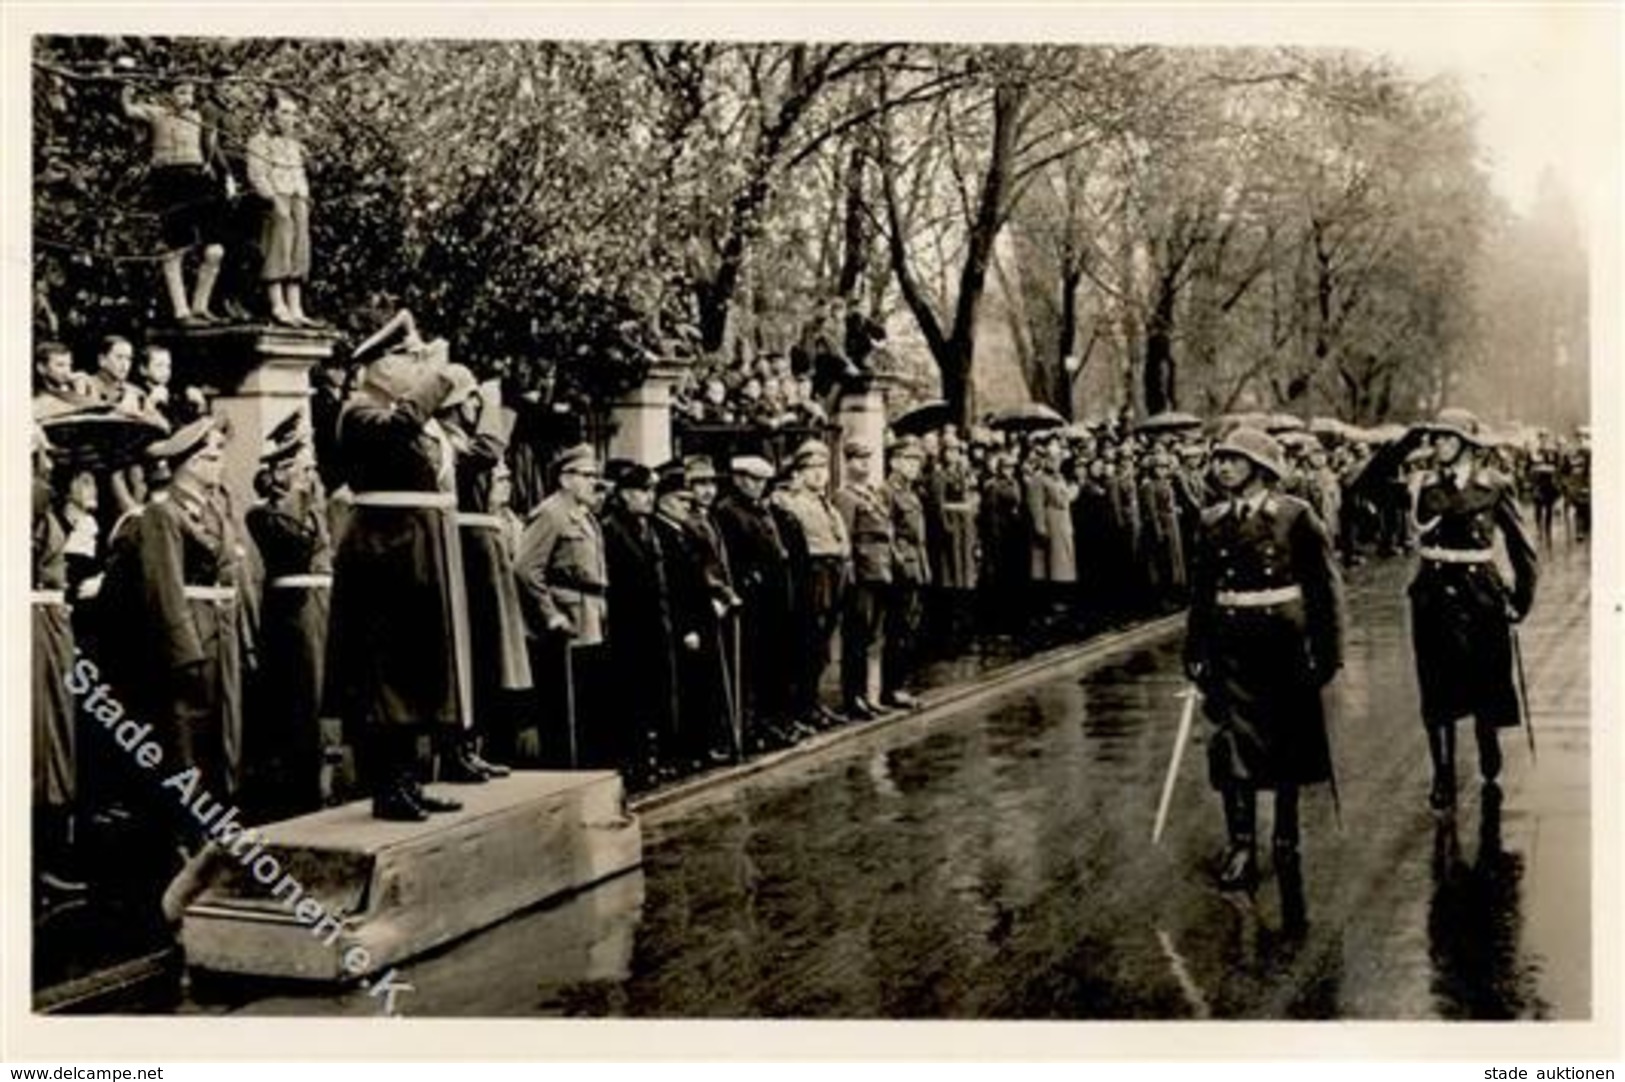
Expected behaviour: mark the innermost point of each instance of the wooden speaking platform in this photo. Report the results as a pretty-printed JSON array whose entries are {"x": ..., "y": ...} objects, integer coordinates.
[{"x": 399, "y": 889}]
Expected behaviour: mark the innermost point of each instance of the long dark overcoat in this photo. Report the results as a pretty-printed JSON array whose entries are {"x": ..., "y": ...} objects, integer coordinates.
[{"x": 1264, "y": 665}]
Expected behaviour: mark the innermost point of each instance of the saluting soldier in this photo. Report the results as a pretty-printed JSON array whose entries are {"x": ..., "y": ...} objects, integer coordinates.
[
  {"x": 398, "y": 640},
  {"x": 496, "y": 628},
  {"x": 1462, "y": 611},
  {"x": 911, "y": 572},
  {"x": 171, "y": 593},
  {"x": 564, "y": 582},
  {"x": 289, "y": 527},
  {"x": 1264, "y": 637},
  {"x": 868, "y": 521},
  {"x": 821, "y": 558}
]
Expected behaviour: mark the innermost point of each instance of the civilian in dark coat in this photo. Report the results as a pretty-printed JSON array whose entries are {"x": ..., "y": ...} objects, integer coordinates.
[
  {"x": 1001, "y": 527},
  {"x": 1461, "y": 610},
  {"x": 1265, "y": 635},
  {"x": 642, "y": 640},
  {"x": 759, "y": 560}
]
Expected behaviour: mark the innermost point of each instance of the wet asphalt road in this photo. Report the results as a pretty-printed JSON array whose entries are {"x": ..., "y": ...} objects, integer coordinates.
[{"x": 996, "y": 864}]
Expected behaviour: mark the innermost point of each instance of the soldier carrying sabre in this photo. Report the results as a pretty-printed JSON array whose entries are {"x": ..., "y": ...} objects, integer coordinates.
[{"x": 1265, "y": 636}]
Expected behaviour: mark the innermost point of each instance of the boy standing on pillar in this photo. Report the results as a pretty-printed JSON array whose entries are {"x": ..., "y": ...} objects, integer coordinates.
[
  {"x": 1265, "y": 636},
  {"x": 1461, "y": 611}
]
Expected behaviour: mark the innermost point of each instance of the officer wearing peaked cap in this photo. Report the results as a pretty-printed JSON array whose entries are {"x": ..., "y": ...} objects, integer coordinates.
[
  {"x": 289, "y": 526},
  {"x": 911, "y": 571},
  {"x": 868, "y": 522},
  {"x": 1264, "y": 636},
  {"x": 564, "y": 580},
  {"x": 820, "y": 560},
  {"x": 1462, "y": 611}
]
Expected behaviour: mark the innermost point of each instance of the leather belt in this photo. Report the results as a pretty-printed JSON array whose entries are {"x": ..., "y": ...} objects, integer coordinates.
[
  {"x": 217, "y": 594},
  {"x": 476, "y": 519},
  {"x": 443, "y": 500},
  {"x": 1457, "y": 556},
  {"x": 48, "y": 597},
  {"x": 586, "y": 589},
  {"x": 303, "y": 581},
  {"x": 1259, "y": 599}
]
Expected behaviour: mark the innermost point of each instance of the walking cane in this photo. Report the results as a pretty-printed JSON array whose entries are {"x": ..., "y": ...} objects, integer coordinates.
[
  {"x": 570, "y": 703},
  {"x": 738, "y": 687},
  {"x": 1186, "y": 717},
  {"x": 1523, "y": 692}
]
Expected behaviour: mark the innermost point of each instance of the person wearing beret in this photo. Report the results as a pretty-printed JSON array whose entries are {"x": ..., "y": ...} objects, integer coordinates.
[
  {"x": 821, "y": 558},
  {"x": 496, "y": 626},
  {"x": 1264, "y": 636},
  {"x": 643, "y": 641},
  {"x": 760, "y": 562},
  {"x": 563, "y": 577},
  {"x": 1462, "y": 611},
  {"x": 398, "y": 658},
  {"x": 868, "y": 522},
  {"x": 911, "y": 573},
  {"x": 171, "y": 591},
  {"x": 289, "y": 526}
]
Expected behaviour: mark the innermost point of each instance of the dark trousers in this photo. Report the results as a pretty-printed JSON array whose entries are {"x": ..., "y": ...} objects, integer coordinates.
[
  {"x": 904, "y": 610},
  {"x": 865, "y": 609},
  {"x": 820, "y": 611}
]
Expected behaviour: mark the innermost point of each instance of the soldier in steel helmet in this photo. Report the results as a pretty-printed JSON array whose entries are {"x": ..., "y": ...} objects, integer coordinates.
[
  {"x": 1462, "y": 611},
  {"x": 1265, "y": 636}
]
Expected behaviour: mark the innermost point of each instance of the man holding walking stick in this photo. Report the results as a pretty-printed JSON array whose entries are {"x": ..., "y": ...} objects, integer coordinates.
[{"x": 1265, "y": 636}]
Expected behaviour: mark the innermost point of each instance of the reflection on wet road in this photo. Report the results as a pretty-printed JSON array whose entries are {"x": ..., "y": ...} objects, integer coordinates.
[{"x": 996, "y": 864}]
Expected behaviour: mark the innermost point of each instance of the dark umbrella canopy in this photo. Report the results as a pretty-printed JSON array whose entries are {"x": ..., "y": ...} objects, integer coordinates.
[
  {"x": 1029, "y": 417},
  {"x": 926, "y": 417},
  {"x": 99, "y": 439},
  {"x": 1169, "y": 421}
]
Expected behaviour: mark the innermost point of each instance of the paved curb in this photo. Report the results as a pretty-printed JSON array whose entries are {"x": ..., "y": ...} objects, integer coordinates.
[{"x": 664, "y": 802}]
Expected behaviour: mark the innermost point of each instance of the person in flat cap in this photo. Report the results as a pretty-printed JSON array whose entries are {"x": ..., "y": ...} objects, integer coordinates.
[
  {"x": 644, "y": 644},
  {"x": 820, "y": 559},
  {"x": 171, "y": 590},
  {"x": 289, "y": 527},
  {"x": 868, "y": 522},
  {"x": 498, "y": 653},
  {"x": 564, "y": 581},
  {"x": 911, "y": 573},
  {"x": 1264, "y": 636},
  {"x": 759, "y": 565},
  {"x": 1462, "y": 611},
  {"x": 399, "y": 653},
  {"x": 722, "y": 591}
]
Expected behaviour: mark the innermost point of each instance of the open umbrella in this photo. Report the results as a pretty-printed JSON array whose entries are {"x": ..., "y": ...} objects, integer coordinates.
[
  {"x": 1029, "y": 417},
  {"x": 1169, "y": 421},
  {"x": 99, "y": 438},
  {"x": 1277, "y": 423},
  {"x": 926, "y": 417}
]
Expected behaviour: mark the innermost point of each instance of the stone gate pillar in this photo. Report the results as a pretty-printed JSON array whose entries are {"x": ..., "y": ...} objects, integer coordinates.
[{"x": 642, "y": 418}]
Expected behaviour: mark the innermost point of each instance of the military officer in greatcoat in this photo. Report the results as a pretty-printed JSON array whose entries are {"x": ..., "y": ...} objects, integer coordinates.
[
  {"x": 398, "y": 656},
  {"x": 1264, "y": 637},
  {"x": 868, "y": 523},
  {"x": 289, "y": 526},
  {"x": 170, "y": 591},
  {"x": 564, "y": 582},
  {"x": 911, "y": 572},
  {"x": 1462, "y": 611}
]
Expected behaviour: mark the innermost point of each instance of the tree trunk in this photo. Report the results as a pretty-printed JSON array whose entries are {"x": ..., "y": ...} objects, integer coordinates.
[
  {"x": 1159, "y": 355},
  {"x": 1067, "y": 341}
]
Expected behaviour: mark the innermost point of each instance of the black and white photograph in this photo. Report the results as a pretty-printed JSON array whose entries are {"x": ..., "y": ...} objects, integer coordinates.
[{"x": 537, "y": 519}]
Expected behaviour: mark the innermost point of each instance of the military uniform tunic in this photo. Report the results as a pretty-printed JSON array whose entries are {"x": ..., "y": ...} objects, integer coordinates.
[
  {"x": 1265, "y": 627},
  {"x": 1461, "y": 608}
]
